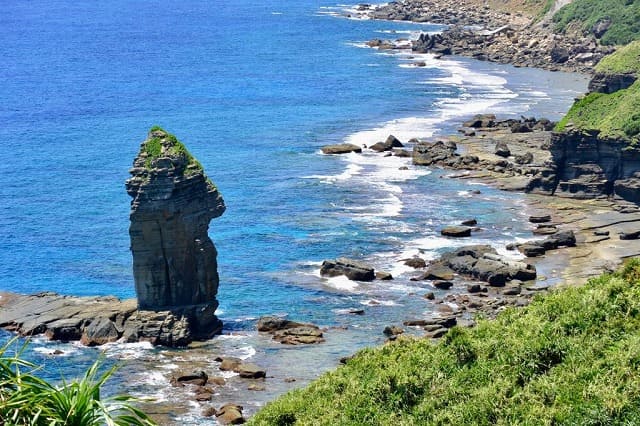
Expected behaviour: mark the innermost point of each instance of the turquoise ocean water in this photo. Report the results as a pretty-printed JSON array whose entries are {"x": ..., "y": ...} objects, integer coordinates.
[{"x": 254, "y": 89}]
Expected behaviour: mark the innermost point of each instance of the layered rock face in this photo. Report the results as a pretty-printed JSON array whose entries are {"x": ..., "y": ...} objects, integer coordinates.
[
  {"x": 585, "y": 165},
  {"x": 174, "y": 260}
]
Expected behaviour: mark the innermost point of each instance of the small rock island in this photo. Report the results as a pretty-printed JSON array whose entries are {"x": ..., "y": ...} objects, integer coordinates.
[{"x": 174, "y": 263}]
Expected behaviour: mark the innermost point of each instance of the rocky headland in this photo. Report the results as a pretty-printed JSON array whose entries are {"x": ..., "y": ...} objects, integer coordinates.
[
  {"x": 174, "y": 263},
  {"x": 477, "y": 30}
]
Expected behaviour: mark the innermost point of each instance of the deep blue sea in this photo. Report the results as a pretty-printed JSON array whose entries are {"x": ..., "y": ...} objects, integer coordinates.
[{"x": 254, "y": 89}]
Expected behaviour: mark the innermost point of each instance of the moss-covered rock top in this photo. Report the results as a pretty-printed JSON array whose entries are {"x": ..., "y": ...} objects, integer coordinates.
[
  {"x": 615, "y": 115},
  {"x": 161, "y": 144},
  {"x": 624, "y": 61},
  {"x": 572, "y": 357}
]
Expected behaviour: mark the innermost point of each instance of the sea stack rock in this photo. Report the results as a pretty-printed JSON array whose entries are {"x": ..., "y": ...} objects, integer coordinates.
[{"x": 174, "y": 260}]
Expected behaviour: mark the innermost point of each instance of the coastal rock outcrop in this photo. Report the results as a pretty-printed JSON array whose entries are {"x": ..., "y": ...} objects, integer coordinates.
[
  {"x": 174, "y": 260},
  {"x": 585, "y": 165},
  {"x": 174, "y": 263},
  {"x": 352, "y": 269}
]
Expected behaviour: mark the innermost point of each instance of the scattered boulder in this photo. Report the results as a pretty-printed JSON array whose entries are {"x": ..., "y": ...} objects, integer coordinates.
[
  {"x": 343, "y": 148},
  {"x": 634, "y": 235},
  {"x": 392, "y": 330},
  {"x": 469, "y": 222},
  {"x": 290, "y": 332},
  {"x": 388, "y": 145},
  {"x": 230, "y": 414},
  {"x": 416, "y": 262},
  {"x": 456, "y": 231},
  {"x": 526, "y": 158},
  {"x": 540, "y": 218},
  {"x": 383, "y": 276},
  {"x": 352, "y": 269},
  {"x": 442, "y": 285},
  {"x": 502, "y": 150},
  {"x": 248, "y": 370},
  {"x": 197, "y": 379}
]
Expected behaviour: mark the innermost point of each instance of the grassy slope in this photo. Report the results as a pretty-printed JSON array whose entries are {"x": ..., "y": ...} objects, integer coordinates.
[
  {"x": 571, "y": 357},
  {"x": 625, "y": 60},
  {"x": 624, "y": 15},
  {"x": 615, "y": 115}
]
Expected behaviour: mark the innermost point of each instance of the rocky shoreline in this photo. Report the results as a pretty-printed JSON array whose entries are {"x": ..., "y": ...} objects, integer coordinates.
[{"x": 475, "y": 30}]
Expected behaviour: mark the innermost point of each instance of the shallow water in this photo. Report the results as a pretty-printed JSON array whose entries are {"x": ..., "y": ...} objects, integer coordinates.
[{"x": 254, "y": 90}]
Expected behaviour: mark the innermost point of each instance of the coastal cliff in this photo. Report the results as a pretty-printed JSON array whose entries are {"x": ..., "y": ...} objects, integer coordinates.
[{"x": 594, "y": 149}]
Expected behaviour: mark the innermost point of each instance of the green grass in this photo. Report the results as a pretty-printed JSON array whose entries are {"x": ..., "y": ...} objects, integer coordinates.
[
  {"x": 624, "y": 15},
  {"x": 615, "y": 115},
  {"x": 164, "y": 144},
  {"x": 572, "y": 357},
  {"x": 625, "y": 60},
  {"x": 26, "y": 399}
]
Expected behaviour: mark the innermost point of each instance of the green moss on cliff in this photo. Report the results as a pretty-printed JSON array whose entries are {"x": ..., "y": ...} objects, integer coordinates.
[
  {"x": 572, "y": 357},
  {"x": 615, "y": 115},
  {"x": 625, "y": 60},
  {"x": 623, "y": 14},
  {"x": 164, "y": 144}
]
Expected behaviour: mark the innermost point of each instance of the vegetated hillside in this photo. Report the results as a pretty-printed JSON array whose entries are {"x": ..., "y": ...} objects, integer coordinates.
[
  {"x": 615, "y": 115},
  {"x": 625, "y": 60},
  {"x": 622, "y": 16},
  {"x": 571, "y": 357}
]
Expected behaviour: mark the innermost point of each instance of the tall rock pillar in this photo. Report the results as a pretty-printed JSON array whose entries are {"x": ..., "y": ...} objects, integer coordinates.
[{"x": 174, "y": 260}]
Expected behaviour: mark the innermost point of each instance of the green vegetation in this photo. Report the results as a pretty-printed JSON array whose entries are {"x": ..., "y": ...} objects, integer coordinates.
[
  {"x": 165, "y": 144},
  {"x": 623, "y": 14},
  {"x": 615, "y": 115},
  {"x": 25, "y": 399},
  {"x": 625, "y": 60},
  {"x": 572, "y": 357}
]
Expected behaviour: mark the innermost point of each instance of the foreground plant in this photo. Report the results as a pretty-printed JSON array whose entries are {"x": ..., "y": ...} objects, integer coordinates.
[{"x": 26, "y": 399}]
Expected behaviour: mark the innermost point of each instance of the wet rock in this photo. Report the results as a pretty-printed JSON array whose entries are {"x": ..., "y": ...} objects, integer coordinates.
[
  {"x": 469, "y": 222},
  {"x": 416, "y": 262},
  {"x": 502, "y": 150},
  {"x": 99, "y": 332},
  {"x": 531, "y": 250},
  {"x": 248, "y": 370},
  {"x": 256, "y": 387},
  {"x": 209, "y": 412},
  {"x": 540, "y": 218},
  {"x": 456, "y": 231},
  {"x": 630, "y": 235},
  {"x": 230, "y": 414},
  {"x": 438, "y": 272},
  {"x": 229, "y": 363},
  {"x": 481, "y": 121},
  {"x": 352, "y": 269},
  {"x": 343, "y": 148},
  {"x": 443, "y": 285},
  {"x": 383, "y": 276},
  {"x": 392, "y": 330},
  {"x": 474, "y": 288},
  {"x": 198, "y": 379},
  {"x": 545, "y": 230},
  {"x": 526, "y": 158},
  {"x": 388, "y": 145},
  {"x": 290, "y": 332},
  {"x": 430, "y": 296}
]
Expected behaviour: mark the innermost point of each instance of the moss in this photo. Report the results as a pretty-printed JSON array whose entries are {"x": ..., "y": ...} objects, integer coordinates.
[
  {"x": 613, "y": 115},
  {"x": 164, "y": 144},
  {"x": 571, "y": 357}
]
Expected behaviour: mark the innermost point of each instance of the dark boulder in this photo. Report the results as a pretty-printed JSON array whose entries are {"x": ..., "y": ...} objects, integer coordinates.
[
  {"x": 352, "y": 269},
  {"x": 502, "y": 150},
  {"x": 456, "y": 231}
]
